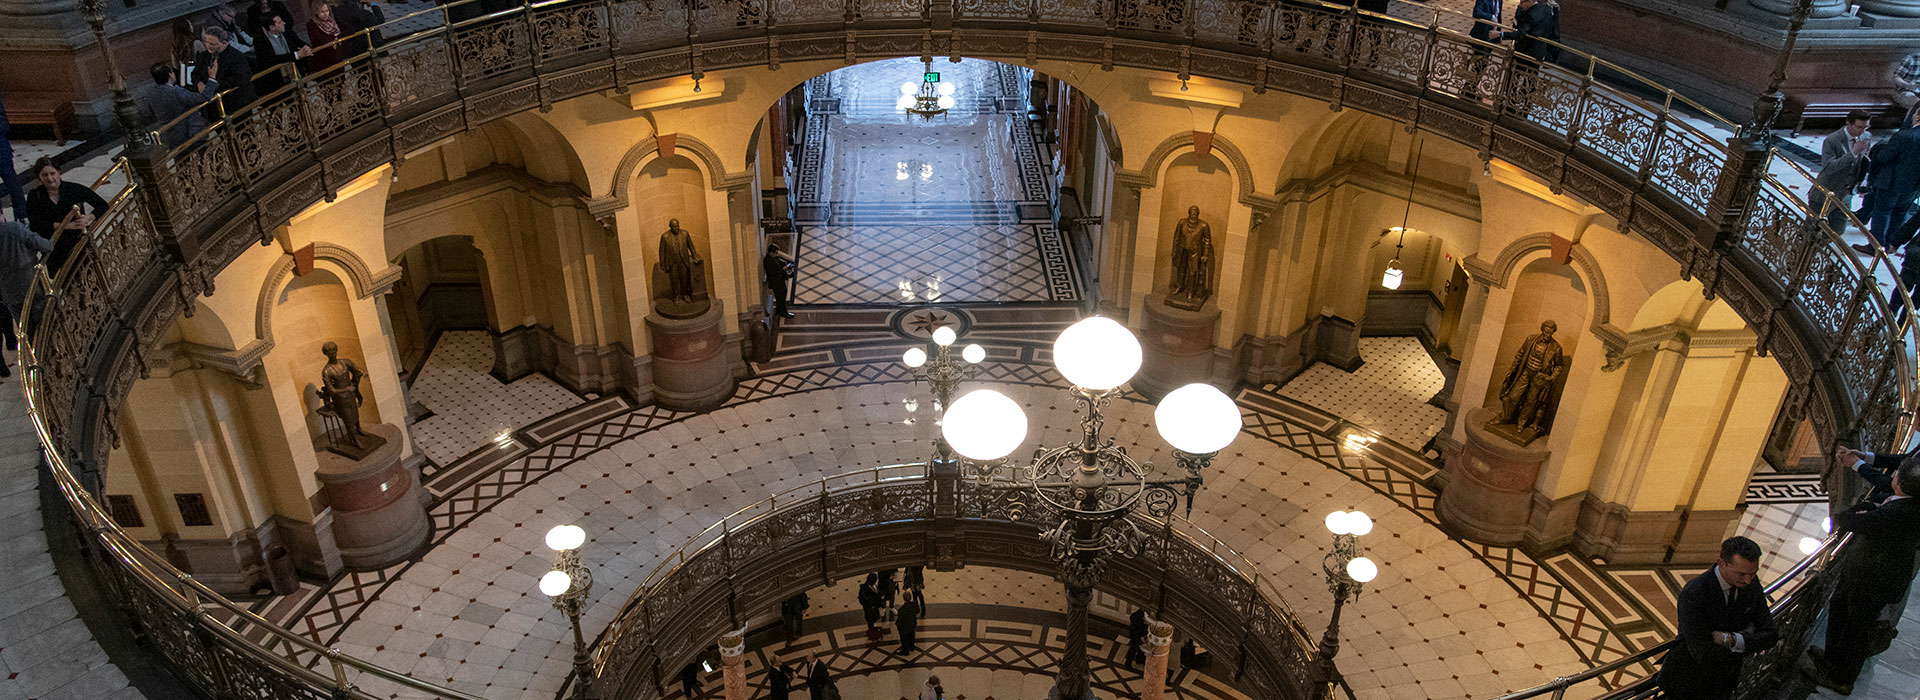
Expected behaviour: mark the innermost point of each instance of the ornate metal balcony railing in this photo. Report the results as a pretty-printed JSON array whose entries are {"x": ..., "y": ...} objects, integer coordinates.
[
  {"x": 1657, "y": 163},
  {"x": 854, "y": 523}
]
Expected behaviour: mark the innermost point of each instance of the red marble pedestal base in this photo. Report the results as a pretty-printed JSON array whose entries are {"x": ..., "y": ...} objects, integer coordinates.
[
  {"x": 1489, "y": 492},
  {"x": 379, "y": 518},
  {"x": 691, "y": 369},
  {"x": 1176, "y": 347}
]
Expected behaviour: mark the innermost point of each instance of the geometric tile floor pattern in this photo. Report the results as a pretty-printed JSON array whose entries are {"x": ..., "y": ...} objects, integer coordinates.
[
  {"x": 470, "y": 407},
  {"x": 1445, "y": 619}
]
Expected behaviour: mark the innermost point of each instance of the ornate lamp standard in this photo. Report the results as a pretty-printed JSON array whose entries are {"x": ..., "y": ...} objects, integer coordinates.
[
  {"x": 943, "y": 375},
  {"x": 1346, "y": 570},
  {"x": 1087, "y": 490},
  {"x": 568, "y": 584}
]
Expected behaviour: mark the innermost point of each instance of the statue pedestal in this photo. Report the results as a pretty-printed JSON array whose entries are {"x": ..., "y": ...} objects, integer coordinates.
[
  {"x": 1176, "y": 347},
  {"x": 691, "y": 370},
  {"x": 1489, "y": 492},
  {"x": 379, "y": 518}
]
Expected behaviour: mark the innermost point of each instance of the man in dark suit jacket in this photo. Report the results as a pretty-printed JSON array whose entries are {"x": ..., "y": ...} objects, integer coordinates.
[
  {"x": 1894, "y": 179},
  {"x": 278, "y": 47},
  {"x": 1723, "y": 618},
  {"x": 1878, "y": 570},
  {"x": 1876, "y": 469},
  {"x": 224, "y": 63}
]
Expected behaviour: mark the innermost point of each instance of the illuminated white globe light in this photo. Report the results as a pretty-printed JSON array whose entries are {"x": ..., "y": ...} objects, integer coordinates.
[
  {"x": 565, "y": 537},
  {"x": 1197, "y": 419},
  {"x": 908, "y": 88},
  {"x": 944, "y": 336},
  {"x": 984, "y": 425},
  {"x": 905, "y": 102},
  {"x": 1337, "y": 522},
  {"x": 1809, "y": 545},
  {"x": 1826, "y": 525},
  {"x": 1362, "y": 569},
  {"x": 973, "y": 353},
  {"x": 914, "y": 357},
  {"x": 1097, "y": 354},
  {"x": 1358, "y": 523},
  {"x": 945, "y": 101},
  {"x": 1391, "y": 278},
  {"x": 946, "y": 89},
  {"x": 555, "y": 583}
]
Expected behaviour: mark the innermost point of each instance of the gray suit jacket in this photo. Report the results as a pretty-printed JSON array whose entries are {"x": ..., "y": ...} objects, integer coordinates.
[
  {"x": 164, "y": 102},
  {"x": 20, "y": 249},
  {"x": 1840, "y": 169}
]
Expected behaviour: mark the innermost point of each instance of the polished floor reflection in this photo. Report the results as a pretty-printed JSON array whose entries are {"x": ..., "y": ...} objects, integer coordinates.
[{"x": 900, "y": 208}]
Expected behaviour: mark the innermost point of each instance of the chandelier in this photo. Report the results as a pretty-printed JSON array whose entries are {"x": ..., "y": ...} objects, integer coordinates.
[
  {"x": 928, "y": 98},
  {"x": 1088, "y": 490}
]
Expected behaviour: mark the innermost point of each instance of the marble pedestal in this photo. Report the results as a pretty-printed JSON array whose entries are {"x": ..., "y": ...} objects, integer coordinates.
[
  {"x": 691, "y": 370},
  {"x": 1489, "y": 491},
  {"x": 1176, "y": 347},
  {"x": 379, "y": 518}
]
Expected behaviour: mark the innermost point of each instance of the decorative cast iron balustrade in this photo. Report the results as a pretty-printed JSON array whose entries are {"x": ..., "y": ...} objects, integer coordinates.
[
  {"x": 1581, "y": 126},
  {"x": 864, "y": 521}
]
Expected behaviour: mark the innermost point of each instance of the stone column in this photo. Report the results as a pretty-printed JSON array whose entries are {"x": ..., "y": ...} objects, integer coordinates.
[
  {"x": 1153, "y": 680},
  {"x": 733, "y": 664}
]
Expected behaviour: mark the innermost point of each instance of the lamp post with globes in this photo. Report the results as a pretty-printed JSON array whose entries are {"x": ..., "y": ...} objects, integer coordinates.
[
  {"x": 942, "y": 372},
  {"x": 1088, "y": 490},
  {"x": 568, "y": 584},
  {"x": 1346, "y": 570}
]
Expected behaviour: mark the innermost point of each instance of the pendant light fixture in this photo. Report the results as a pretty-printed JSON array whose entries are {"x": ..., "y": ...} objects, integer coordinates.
[{"x": 1391, "y": 278}]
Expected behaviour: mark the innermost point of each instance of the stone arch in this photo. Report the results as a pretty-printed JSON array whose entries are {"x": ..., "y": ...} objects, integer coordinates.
[
  {"x": 1153, "y": 169},
  {"x": 360, "y": 279},
  {"x": 1526, "y": 249},
  {"x": 702, "y": 155}
]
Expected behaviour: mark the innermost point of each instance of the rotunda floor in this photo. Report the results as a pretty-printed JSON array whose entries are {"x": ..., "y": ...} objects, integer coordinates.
[{"x": 1446, "y": 619}]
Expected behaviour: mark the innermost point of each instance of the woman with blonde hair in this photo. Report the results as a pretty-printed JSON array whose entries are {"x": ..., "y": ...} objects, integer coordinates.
[{"x": 323, "y": 33}]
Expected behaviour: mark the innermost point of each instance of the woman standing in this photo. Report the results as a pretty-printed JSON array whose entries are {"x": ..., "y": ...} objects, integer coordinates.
[
  {"x": 323, "y": 33},
  {"x": 932, "y": 690},
  {"x": 48, "y": 209}
]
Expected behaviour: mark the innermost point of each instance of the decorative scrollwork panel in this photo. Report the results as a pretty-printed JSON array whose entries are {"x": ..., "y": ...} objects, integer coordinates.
[
  {"x": 1314, "y": 33},
  {"x": 341, "y": 100},
  {"x": 570, "y": 31},
  {"x": 1161, "y": 17},
  {"x": 1773, "y": 233},
  {"x": 267, "y": 136},
  {"x": 492, "y": 49},
  {"x": 880, "y": 10},
  {"x": 648, "y": 24},
  {"x": 1546, "y": 95},
  {"x": 1088, "y": 13},
  {"x": 1239, "y": 23},
  {"x": 1617, "y": 129},
  {"x": 996, "y": 9},
  {"x": 1826, "y": 289},
  {"x": 1687, "y": 165},
  {"x": 720, "y": 18},
  {"x": 417, "y": 71},
  {"x": 803, "y": 12}
]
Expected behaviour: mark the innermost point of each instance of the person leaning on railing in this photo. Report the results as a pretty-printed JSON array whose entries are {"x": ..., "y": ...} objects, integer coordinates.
[
  {"x": 1878, "y": 572},
  {"x": 1876, "y": 469},
  {"x": 1723, "y": 618},
  {"x": 20, "y": 250},
  {"x": 60, "y": 211},
  {"x": 167, "y": 100}
]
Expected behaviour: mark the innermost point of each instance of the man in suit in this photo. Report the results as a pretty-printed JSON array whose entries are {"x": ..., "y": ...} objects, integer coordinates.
[
  {"x": 225, "y": 63},
  {"x": 1843, "y": 163},
  {"x": 167, "y": 100},
  {"x": 1723, "y": 618},
  {"x": 1876, "y": 469},
  {"x": 359, "y": 15},
  {"x": 278, "y": 47},
  {"x": 1894, "y": 179},
  {"x": 1877, "y": 574}
]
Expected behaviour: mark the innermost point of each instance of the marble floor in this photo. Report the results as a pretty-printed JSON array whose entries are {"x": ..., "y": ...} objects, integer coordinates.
[
  {"x": 894, "y": 208},
  {"x": 1387, "y": 395},
  {"x": 471, "y": 409}
]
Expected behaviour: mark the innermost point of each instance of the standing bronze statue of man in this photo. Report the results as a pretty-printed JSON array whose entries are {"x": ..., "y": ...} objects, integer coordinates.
[
  {"x": 340, "y": 389},
  {"x": 1529, "y": 395},
  {"x": 677, "y": 262},
  {"x": 1192, "y": 281}
]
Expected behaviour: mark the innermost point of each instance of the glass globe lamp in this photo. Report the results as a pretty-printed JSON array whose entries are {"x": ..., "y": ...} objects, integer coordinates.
[
  {"x": 945, "y": 101},
  {"x": 946, "y": 89},
  {"x": 944, "y": 336},
  {"x": 1362, "y": 569},
  {"x": 1097, "y": 354},
  {"x": 555, "y": 583},
  {"x": 565, "y": 537},
  {"x": 909, "y": 87},
  {"x": 914, "y": 357},
  {"x": 1337, "y": 522},
  {"x": 973, "y": 353},
  {"x": 984, "y": 425},
  {"x": 1358, "y": 523},
  {"x": 1197, "y": 419}
]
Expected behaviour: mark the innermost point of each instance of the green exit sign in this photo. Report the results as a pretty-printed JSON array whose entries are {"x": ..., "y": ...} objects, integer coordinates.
[{"x": 931, "y": 77}]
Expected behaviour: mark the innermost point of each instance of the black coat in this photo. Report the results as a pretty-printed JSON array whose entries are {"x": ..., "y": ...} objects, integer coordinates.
[
  {"x": 1896, "y": 165},
  {"x": 1698, "y": 669},
  {"x": 1541, "y": 21},
  {"x": 44, "y": 215},
  {"x": 355, "y": 16},
  {"x": 1880, "y": 558},
  {"x": 269, "y": 58},
  {"x": 235, "y": 79}
]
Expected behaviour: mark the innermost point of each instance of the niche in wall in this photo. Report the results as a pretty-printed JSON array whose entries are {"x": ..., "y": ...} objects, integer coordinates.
[
  {"x": 673, "y": 188},
  {"x": 309, "y": 312},
  {"x": 1544, "y": 290},
  {"x": 1192, "y": 180}
]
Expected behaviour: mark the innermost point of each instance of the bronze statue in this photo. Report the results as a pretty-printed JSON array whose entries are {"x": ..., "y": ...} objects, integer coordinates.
[
  {"x": 1531, "y": 392},
  {"x": 1192, "y": 281},
  {"x": 340, "y": 388},
  {"x": 677, "y": 261}
]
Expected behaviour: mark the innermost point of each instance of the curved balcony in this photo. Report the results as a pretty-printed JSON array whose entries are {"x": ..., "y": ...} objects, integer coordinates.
[{"x": 1661, "y": 165}]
